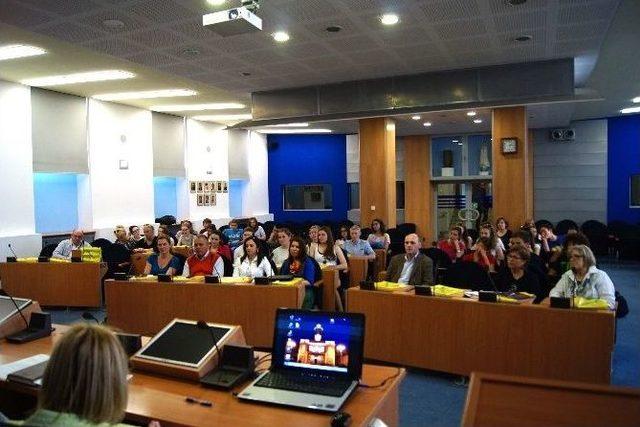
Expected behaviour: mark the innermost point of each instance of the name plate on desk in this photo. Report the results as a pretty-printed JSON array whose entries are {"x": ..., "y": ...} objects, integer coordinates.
[
  {"x": 559, "y": 302},
  {"x": 425, "y": 291},
  {"x": 43, "y": 259},
  {"x": 121, "y": 276},
  {"x": 12, "y": 259},
  {"x": 165, "y": 278},
  {"x": 211, "y": 279}
]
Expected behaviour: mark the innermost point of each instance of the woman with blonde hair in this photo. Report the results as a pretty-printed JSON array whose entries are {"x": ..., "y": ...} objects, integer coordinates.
[{"x": 85, "y": 382}]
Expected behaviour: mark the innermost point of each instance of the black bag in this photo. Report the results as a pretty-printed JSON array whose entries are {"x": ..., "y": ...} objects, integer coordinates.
[
  {"x": 166, "y": 220},
  {"x": 623, "y": 308}
]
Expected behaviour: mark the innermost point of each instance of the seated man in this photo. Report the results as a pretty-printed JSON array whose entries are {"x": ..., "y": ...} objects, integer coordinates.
[
  {"x": 233, "y": 235},
  {"x": 203, "y": 262},
  {"x": 550, "y": 243},
  {"x": 149, "y": 240},
  {"x": 356, "y": 246},
  {"x": 64, "y": 248},
  {"x": 412, "y": 267}
]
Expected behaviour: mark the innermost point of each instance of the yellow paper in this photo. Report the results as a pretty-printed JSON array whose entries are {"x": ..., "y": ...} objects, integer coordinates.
[
  {"x": 236, "y": 280},
  {"x": 447, "y": 291},
  {"x": 292, "y": 282},
  {"x": 590, "y": 303},
  {"x": 91, "y": 254}
]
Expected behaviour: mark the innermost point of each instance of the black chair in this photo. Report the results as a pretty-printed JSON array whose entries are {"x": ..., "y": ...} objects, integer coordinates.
[
  {"x": 365, "y": 232},
  {"x": 441, "y": 262},
  {"x": 47, "y": 251},
  {"x": 103, "y": 244},
  {"x": 598, "y": 235},
  {"x": 467, "y": 275},
  {"x": 406, "y": 228},
  {"x": 565, "y": 225},
  {"x": 118, "y": 259},
  {"x": 473, "y": 233},
  {"x": 228, "y": 267}
]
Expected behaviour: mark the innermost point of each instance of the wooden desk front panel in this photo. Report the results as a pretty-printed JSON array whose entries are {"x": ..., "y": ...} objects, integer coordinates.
[
  {"x": 146, "y": 307},
  {"x": 53, "y": 284},
  {"x": 460, "y": 336}
]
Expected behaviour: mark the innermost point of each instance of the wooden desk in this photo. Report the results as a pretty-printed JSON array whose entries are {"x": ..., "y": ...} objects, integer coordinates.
[
  {"x": 460, "y": 335},
  {"x": 162, "y": 398},
  {"x": 146, "y": 307},
  {"x": 500, "y": 400},
  {"x": 75, "y": 284},
  {"x": 358, "y": 269},
  {"x": 380, "y": 263},
  {"x": 330, "y": 283}
]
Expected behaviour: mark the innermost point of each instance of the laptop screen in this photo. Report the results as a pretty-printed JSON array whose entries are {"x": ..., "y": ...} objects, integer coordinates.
[{"x": 312, "y": 341}]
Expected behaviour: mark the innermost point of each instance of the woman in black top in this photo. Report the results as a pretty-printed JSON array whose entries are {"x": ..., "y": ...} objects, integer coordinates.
[
  {"x": 516, "y": 277},
  {"x": 502, "y": 231}
]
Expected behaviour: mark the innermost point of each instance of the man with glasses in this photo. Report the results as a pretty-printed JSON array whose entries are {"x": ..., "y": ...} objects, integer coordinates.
[
  {"x": 412, "y": 267},
  {"x": 65, "y": 247}
]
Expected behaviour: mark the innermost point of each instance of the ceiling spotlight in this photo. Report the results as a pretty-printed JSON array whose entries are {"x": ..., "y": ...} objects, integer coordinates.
[
  {"x": 216, "y": 2},
  {"x": 67, "y": 79},
  {"x": 636, "y": 99},
  {"x": 415, "y": 117},
  {"x": 477, "y": 121},
  {"x": 630, "y": 110},
  {"x": 426, "y": 124},
  {"x": 389, "y": 19},
  {"x": 523, "y": 38},
  {"x": 280, "y": 36},
  {"x": 14, "y": 51},
  {"x": 455, "y": 141},
  {"x": 471, "y": 113},
  {"x": 333, "y": 28}
]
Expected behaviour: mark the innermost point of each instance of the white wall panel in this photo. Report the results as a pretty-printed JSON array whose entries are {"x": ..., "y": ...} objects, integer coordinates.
[
  {"x": 168, "y": 137},
  {"x": 256, "y": 201}
]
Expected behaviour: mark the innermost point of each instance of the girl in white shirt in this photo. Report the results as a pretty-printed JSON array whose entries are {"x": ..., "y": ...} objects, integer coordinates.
[
  {"x": 252, "y": 263},
  {"x": 326, "y": 252}
]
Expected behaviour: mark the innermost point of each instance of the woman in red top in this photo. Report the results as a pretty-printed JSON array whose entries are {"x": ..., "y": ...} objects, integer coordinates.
[
  {"x": 453, "y": 246},
  {"x": 482, "y": 255},
  {"x": 219, "y": 246}
]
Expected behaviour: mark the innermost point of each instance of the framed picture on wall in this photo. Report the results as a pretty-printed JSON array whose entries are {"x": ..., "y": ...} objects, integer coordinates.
[
  {"x": 213, "y": 199},
  {"x": 207, "y": 200},
  {"x": 200, "y": 199},
  {"x": 225, "y": 187},
  {"x": 206, "y": 186},
  {"x": 199, "y": 186},
  {"x": 192, "y": 185},
  {"x": 219, "y": 186}
]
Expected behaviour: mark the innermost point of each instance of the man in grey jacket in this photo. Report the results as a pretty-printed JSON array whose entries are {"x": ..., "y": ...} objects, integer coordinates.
[{"x": 412, "y": 267}]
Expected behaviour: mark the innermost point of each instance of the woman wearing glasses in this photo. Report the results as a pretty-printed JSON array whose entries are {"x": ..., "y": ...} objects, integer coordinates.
[{"x": 516, "y": 277}]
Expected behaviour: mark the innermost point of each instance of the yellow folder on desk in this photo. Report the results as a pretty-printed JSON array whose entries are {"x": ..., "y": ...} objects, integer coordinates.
[
  {"x": 590, "y": 303},
  {"x": 292, "y": 282},
  {"x": 385, "y": 286},
  {"x": 447, "y": 291}
]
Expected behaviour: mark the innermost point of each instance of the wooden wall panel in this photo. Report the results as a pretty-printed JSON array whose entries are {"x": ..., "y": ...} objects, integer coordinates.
[
  {"x": 418, "y": 189},
  {"x": 378, "y": 170},
  {"x": 511, "y": 171}
]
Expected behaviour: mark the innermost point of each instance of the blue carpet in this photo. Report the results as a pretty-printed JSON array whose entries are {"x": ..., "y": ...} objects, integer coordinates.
[{"x": 436, "y": 399}]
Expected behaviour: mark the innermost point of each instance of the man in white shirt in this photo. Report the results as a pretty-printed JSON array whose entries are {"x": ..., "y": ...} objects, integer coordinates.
[{"x": 65, "y": 247}]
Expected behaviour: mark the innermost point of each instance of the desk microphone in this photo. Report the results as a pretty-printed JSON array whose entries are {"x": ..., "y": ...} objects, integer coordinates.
[
  {"x": 88, "y": 316},
  {"x": 12, "y": 251},
  {"x": 4, "y": 293},
  {"x": 203, "y": 325}
]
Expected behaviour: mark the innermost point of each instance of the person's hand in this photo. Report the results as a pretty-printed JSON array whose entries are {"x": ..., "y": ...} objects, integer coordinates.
[{"x": 154, "y": 423}]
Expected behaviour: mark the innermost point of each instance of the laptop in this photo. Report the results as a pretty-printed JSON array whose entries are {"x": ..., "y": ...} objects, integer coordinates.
[{"x": 316, "y": 361}]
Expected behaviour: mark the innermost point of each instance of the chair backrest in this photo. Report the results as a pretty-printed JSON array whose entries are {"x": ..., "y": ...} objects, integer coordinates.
[
  {"x": 48, "y": 250},
  {"x": 467, "y": 275},
  {"x": 594, "y": 226},
  {"x": 406, "y": 228},
  {"x": 228, "y": 267},
  {"x": 565, "y": 225},
  {"x": 116, "y": 254},
  {"x": 101, "y": 243}
]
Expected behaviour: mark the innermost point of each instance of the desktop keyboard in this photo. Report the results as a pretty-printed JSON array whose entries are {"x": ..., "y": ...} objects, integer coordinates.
[{"x": 321, "y": 385}]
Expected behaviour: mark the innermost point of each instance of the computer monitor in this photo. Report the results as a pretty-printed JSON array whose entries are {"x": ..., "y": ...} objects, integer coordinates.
[{"x": 322, "y": 342}]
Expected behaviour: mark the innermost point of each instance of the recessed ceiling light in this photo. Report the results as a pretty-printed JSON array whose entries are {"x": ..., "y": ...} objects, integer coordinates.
[
  {"x": 455, "y": 141},
  {"x": 630, "y": 110},
  {"x": 477, "y": 121},
  {"x": 224, "y": 117},
  {"x": 333, "y": 28},
  {"x": 14, "y": 51},
  {"x": 113, "y": 24},
  {"x": 636, "y": 99},
  {"x": 415, "y": 117},
  {"x": 426, "y": 124},
  {"x": 280, "y": 36},
  {"x": 294, "y": 130},
  {"x": 216, "y": 2},
  {"x": 146, "y": 94},
  {"x": 67, "y": 79},
  {"x": 198, "y": 107},
  {"x": 245, "y": 73},
  {"x": 471, "y": 113},
  {"x": 389, "y": 19},
  {"x": 288, "y": 125},
  {"x": 523, "y": 38}
]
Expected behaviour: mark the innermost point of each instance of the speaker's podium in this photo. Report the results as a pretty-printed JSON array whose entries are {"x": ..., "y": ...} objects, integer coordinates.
[
  {"x": 10, "y": 319},
  {"x": 186, "y": 348}
]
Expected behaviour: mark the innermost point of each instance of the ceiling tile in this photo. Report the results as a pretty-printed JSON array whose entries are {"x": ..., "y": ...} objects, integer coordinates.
[
  {"x": 114, "y": 46},
  {"x": 353, "y": 43},
  {"x": 160, "y": 11},
  {"x": 155, "y": 38},
  {"x": 153, "y": 59},
  {"x": 461, "y": 29},
  {"x": 449, "y": 10},
  {"x": 62, "y": 8},
  {"x": 519, "y": 22},
  {"x": 72, "y": 32},
  {"x": 16, "y": 14}
]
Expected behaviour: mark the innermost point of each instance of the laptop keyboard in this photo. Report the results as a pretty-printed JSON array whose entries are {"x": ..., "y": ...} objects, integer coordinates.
[{"x": 317, "y": 384}]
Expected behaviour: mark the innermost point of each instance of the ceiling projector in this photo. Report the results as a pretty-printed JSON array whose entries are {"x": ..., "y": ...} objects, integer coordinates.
[{"x": 231, "y": 22}]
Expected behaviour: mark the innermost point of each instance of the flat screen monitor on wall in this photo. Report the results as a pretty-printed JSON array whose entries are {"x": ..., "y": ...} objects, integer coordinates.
[{"x": 634, "y": 191}]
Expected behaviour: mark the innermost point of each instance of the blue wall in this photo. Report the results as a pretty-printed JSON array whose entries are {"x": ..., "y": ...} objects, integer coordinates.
[
  {"x": 308, "y": 159},
  {"x": 623, "y": 161},
  {"x": 236, "y": 188},
  {"x": 165, "y": 199},
  {"x": 56, "y": 202}
]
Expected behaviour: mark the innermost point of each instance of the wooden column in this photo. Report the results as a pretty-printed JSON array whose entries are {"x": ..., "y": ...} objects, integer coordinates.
[
  {"x": 378, "y": 171},
  {"x": 418, "y": 191},
  {"x": 512, "y": 186},
  {"x": 530, "y": 175}
]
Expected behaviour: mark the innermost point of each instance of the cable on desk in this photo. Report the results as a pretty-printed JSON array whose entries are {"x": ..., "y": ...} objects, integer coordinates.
[{"x": 383, "y": 382}]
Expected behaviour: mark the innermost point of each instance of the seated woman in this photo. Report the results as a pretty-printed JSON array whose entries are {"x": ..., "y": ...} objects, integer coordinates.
[
  {"x": 379, "y": 239},
  {"x": 298, "y": 264},
  {"x": 185, "y": 238},
  {"x": 481, "y": 255},
  {"x": 85, "y": 382},
  {"x": 530, "y": 225},
  {"x": 164, "y": 229},
  {"x": 207, "y": 227},
  {"x": 584, "y": 279},
  {"x": 502, "y": 231},
  {"x": 516, "y": 277},
  {"x": 164, "y": 262},
  {"x": 344, "y": 235},
  {"x": 280, "y": 254},
  {"x": 559, "y": 261},
  {"x": 134, "y": 236},
  {"x": 452, "y": 246},
  {"x": 496, "y": 247},
  {"x": 313, "y": 237},
  {"x": 326, "y": 252},
  {"x": 258, "y": 231},
  {"x": 218, "y": 246},
  {"x": 253, "y": 263}
]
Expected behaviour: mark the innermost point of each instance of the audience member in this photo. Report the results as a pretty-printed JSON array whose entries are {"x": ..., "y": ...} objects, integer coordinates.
[
  {"x": 535, "y": 263},
  {"x": 281, "y": 253},
  {"x": 550, "y": 243},
  {"x": 464, "y": 235},
  {"x": 343, "y": 235},
  {"x": 163, "y": 229},
  {"x": 258, "y": 231},
  {"x": 412, "y": 267},
  {"x": 122, "y": 239},
  {"x": 453, "y": 247},
  {"x": 272, "y": 241},
  {"x": 74, "y": 242},
  {"x": 516, "y": 277},
  {"x": 530, "y": 225},
  {"x": 559, "y": 262},
  {"x": 120, "y": 258},
  {"x": 502, "y": 231},
  {"x": 356, "y": 246},
  {"x": 313, "y": 237},
  {"x": 185, "y": 238},
  {"x": 253, "y": 262},
  {"x": 203, "y": 262},
  {"x": 496, "y": 247},
  {"x": 233, "y": 234},
  {"x": 326, "y": 252},
  {"x": 584, "y": 279},
  {"x": 379, "y": 239},
  {"x": 299, "y": 264},
  {"x": 164, "y": 262},
  {"x": 218, "y": 246},
  {"x": 134, "y": 235},
  {"x": 239, "y": 252},
  {"x": 85, "y": 381},
  {"x": 481, "y": 255},
  {"x": 149, "y": 239},
  {"x": 207, "y": 227}
]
